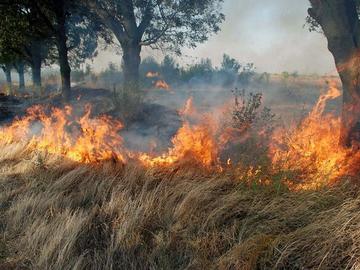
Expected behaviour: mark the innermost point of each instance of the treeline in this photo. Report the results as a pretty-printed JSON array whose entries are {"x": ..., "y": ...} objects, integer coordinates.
[
  {"x": 229, "y": 73},
  {"x": 34, "y": 33}
]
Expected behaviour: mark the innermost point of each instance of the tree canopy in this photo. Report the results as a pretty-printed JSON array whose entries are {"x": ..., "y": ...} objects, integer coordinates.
[{"x": 159, "y": 24}]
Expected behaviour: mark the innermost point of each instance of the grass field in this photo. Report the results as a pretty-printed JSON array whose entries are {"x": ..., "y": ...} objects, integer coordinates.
[{"x": 57, "y": 214}]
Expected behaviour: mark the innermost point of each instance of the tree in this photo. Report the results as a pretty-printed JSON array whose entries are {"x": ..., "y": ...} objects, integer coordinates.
[
  {"x": 170, "y": 69},
  {"x": 203, "y": 71},
  {"x": 7, "y": 70},
  {"x": 229, "y": 70},
  {"x": 72, "y": 30},
  {"x": 339, "y": 21},
  {"x": 20, "y": 68},
  {"x": 24, "y": 38},
  {"x": 10, "y": 57},
  {"x": 229, "y": 64},
  {"x": 167, "y": 24}
]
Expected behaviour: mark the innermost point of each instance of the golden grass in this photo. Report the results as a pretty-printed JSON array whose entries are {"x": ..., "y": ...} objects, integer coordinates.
[{"x": 55, "y": 214}]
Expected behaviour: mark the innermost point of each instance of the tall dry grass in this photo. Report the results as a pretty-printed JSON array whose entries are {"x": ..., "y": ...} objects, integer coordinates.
[{"x": 55, "y": 214}]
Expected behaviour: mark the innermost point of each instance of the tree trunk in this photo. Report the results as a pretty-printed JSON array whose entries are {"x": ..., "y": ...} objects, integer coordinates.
[
  {"x": 340, "y": 24},
  {"x": 65, "y": 69},
  {"x": 7, "y": 71},
  {"x": 350, "y": 126},
  {"x": 131, "y": 63},
  {"x": 20, "y": 70},
  {"x": 36, "y": 67}
]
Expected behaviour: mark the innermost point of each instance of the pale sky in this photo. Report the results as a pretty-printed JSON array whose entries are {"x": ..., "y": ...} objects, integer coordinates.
[{"x": 269, "y": 33}]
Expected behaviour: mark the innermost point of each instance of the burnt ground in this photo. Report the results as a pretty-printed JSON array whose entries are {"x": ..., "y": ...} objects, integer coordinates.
[{"x": 150, "y": 129}]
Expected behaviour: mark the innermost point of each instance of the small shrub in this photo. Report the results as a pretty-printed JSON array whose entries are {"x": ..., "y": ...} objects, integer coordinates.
[{"x": 252, "y": 123}]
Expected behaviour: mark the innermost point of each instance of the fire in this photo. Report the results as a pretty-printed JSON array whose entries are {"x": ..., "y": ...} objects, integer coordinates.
[
  {"x": 161, "y": 84},
  {"x": 82, "y": 139},
  {"x": 308, "y": 155},
  {"x": 192, "y": 142},
  {"x": 151, "y": 74},
  {"x": 312, "y": 149},
  {"x": 189, "y": 108}
]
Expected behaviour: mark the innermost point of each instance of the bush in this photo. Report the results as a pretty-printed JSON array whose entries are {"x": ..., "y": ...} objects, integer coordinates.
[{"x": 251, "y": 126}]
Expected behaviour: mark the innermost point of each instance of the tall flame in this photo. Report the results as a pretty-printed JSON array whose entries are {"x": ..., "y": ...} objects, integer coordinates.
[
  {"x": 192, "y": 142},
  {"x": 312, "y": 149}
]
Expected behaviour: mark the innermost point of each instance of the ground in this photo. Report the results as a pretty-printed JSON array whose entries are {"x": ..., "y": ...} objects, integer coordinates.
[
  {"x": 57, "y": 214},
  {"x": 60, "y": 214}
]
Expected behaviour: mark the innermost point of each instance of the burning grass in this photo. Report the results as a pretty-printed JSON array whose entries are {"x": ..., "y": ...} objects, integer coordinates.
[
  {"x": 60, "y": 131},
  {"x": 312, "y": 148},
  {"x": 57, "y": 214},
  {"x": 71, "y": 196},
  {"x": 308, "y": 153}
]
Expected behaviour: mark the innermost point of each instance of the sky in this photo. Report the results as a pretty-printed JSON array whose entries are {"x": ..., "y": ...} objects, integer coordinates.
[{"x": 269, "y": 33}]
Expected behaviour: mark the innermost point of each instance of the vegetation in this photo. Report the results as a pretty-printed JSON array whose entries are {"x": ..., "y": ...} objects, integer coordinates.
[
  {"x": 59, "y": 215},
  {"x": 162, "y": 24},
  {"x": 134, "y": 174}
]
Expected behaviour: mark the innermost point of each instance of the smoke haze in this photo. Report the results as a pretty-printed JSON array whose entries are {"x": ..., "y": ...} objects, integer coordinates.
[{"x": 269, "y": 33}]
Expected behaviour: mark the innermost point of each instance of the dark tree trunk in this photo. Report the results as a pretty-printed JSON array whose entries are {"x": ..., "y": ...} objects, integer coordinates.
[
  {"x": 340, "y": 24},
  {"x": 65, "y": 69},
  {"x": 36, "y": 67},
  {"x": 129, "y": 35},
  {"x": 131, "y": 63},
  {"x": 21, "y": 71},
  {"x": 7, "y": 71}
]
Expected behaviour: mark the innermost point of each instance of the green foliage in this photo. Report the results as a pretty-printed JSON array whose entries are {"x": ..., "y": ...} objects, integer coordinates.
[
  {"x": 83, "y": 34},
  {"x": 246, "y": 109},
  {"x": 149, "y": 64},
  {"x": 252, "y": 126},
  {"x": 166, "y": 24},
  {"x": 202, "y": 70},
  {"x": 229, "y": 64},
  {"x": 246, "y": 75},
  {"x": 285, "y": 75},
  {"x": 229, "y": 70},
  {"x": 230, "y": 74},
  {"x": 13, "y": 25},
  {"x": 170, "y": 69},
  {"x": 110, "y": 77}
]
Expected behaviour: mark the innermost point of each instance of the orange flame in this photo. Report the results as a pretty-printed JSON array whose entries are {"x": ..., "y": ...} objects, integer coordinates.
[
  {"x": 83, "y": 139},
  {"x": 189, "y": 144},
  {"x": 189, "y": 108},
  {"x": 312, "y": 149},
  {"x": 161, "y": 84},
  {"x": 151, "y": 74},
  {"x": 194, "y": 143}
]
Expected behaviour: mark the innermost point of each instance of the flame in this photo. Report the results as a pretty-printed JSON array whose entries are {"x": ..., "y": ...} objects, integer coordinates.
[
  {"x": 189, "y": 108},
  {"x": 161, "y": 84},
  {"x": 312, "y": 149},
  {"x": 152, "y": 74},
  {"x": 192, "y": 142},
  {"x": 308, "y": 154},
  {"x": 82, "y": 139},
  {"x": 229, "y": 162}
]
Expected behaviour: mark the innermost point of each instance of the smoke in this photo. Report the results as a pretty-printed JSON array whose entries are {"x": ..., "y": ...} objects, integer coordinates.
[{"x": 269, "y": 33}]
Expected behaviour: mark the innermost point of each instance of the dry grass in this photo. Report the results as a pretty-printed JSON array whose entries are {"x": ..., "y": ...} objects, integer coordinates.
[{"x": 55, "y": 214}]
